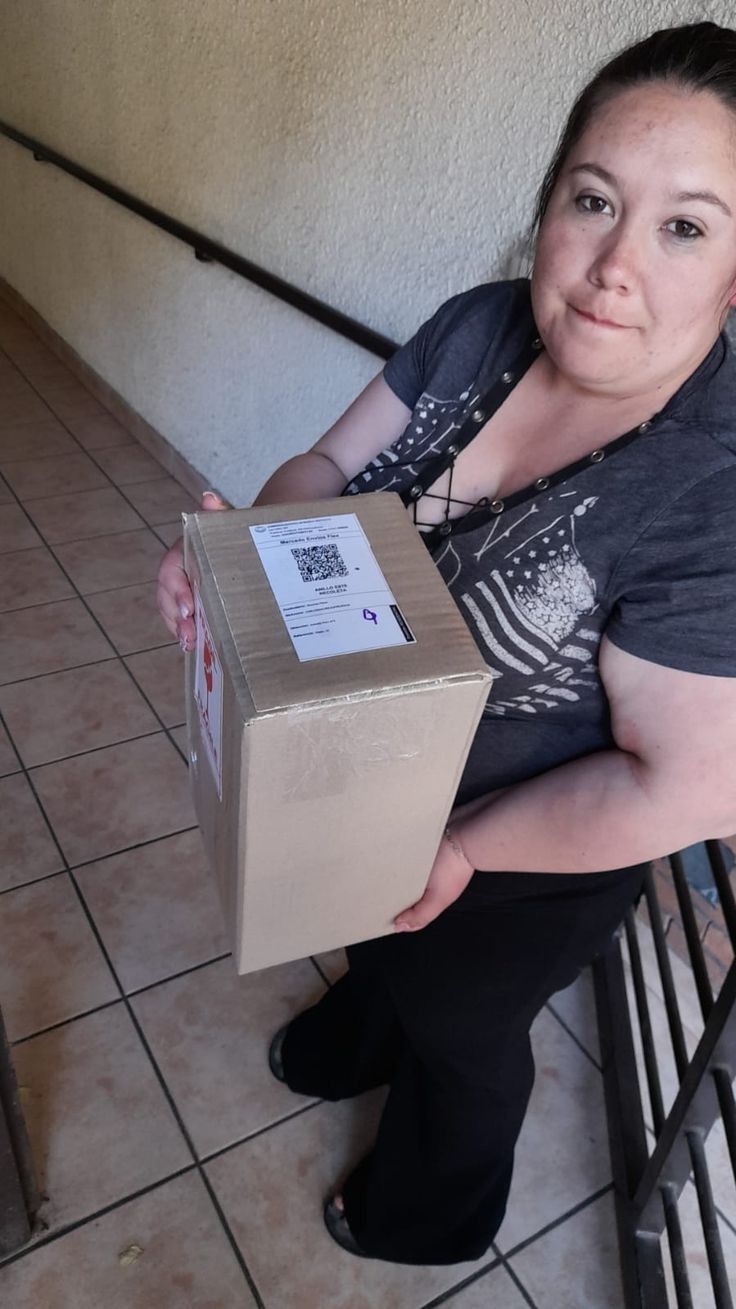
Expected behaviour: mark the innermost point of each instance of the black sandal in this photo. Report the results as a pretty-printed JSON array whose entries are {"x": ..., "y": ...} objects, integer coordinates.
[
  {"x": 337, "y": 1225},
  {"x": 275, "y": 1061}
]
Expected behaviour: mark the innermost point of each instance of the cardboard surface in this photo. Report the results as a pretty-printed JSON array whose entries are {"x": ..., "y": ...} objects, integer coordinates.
[{"x": 322, "y": 787}]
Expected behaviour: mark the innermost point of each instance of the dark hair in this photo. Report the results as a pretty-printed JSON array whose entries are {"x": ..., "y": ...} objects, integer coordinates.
[{"x": 696, "y": 56}]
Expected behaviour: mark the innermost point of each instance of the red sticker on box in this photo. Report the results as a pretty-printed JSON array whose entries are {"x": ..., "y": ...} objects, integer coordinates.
[{"x": 208, "y": 692}]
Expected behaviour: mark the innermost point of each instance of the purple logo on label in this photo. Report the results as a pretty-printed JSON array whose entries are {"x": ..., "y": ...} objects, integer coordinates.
[{"x": 370, "y": 617}]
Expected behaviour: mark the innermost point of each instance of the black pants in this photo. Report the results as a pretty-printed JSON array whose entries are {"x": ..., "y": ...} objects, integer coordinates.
[{"x": 443, "y": 1016}]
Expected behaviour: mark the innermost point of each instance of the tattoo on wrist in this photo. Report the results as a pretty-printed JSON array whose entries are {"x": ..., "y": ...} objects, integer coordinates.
[{"x": 455, "y": 845}]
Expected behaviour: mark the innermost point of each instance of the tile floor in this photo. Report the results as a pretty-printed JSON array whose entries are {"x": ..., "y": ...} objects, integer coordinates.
[{"x": 179, "y": 1174}]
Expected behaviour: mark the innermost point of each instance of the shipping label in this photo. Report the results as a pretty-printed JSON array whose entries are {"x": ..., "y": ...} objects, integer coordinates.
[{"x": 329, "y": 588}]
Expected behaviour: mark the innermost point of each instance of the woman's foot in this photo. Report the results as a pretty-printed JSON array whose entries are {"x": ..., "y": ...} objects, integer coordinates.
[
  {"x": 337, "y": 1225},
  {"x": 275, "y": 1061}
]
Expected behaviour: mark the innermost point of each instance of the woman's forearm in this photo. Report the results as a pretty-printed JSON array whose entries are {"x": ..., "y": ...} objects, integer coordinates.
[
  {"x": 603, "y": 811},
  {"x": 309, "y": 476}
]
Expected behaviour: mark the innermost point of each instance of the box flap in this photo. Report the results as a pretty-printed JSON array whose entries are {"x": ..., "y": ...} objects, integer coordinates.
[{"x": 443, "y": 647}]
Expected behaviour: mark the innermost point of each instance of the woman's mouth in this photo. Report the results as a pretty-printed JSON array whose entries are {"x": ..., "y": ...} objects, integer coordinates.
[{"x": 598, "y": 322}]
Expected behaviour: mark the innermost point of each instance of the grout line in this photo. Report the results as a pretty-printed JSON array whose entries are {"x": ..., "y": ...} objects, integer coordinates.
[
  {"x": 33, "y": 1245},
  {"x": 519, "y": 1285},
  {"x": 106, "y": 659},
  {"x": 173, "y": 977},
  {"x": 557, "y": 1222},
  {"x": 95, "y": 749},
  {"x": 260, "y": 1131},
  {"x": 452, "y": 1291},
  {"x": 5, "y": 890},
  {"x": 573, "y": 1037},
  {"x": 63, "y": 1022},
  {"x": 98, "y": 859},
  {"x": 324, "y": 976}
]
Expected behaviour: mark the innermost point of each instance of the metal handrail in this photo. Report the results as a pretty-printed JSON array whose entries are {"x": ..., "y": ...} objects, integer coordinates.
[{"x": 208, "y": 251}]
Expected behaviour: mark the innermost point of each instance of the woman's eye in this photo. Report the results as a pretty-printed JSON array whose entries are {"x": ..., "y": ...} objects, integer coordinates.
[
  {"x": 592, "y": 204},
  {"x": 683, "y": 230}
]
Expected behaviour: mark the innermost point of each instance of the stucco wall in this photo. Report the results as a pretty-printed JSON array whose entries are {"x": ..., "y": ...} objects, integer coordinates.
[{"x": 382, "y": 154}]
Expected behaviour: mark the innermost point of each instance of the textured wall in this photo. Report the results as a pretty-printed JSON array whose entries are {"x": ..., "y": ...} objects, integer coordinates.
[{"x": 382, "y": 154}]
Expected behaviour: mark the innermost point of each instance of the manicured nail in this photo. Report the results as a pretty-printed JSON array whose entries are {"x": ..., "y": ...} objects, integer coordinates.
[
  {"x": 184, "y": 611},
  {"x": 403, "y": 927}
]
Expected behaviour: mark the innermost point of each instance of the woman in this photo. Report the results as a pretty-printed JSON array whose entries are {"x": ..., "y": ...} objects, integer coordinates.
[{"x": 568, "y": 447}]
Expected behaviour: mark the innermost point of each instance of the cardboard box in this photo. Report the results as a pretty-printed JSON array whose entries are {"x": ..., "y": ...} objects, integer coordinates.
[{"x": 323, "y": 781}]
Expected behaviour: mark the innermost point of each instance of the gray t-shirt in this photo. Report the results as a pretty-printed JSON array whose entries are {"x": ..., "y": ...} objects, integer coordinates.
[{"x": 638, "y": 543}]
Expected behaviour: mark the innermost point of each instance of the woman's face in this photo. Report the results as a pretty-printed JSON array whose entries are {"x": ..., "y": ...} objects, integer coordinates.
[{"x": 636, "y": 259}]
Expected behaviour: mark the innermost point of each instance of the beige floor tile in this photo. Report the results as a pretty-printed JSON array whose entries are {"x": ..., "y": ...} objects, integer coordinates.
[
  {"x": 21, "y": 405},
  {"x": 272, "y": 1190},
  {"x": 47, "y": 638},
  {"x": 576, "y": 1007},
  {"x": 130, "y": 617},
  {"x": 9, "y": 762},
  {"x": 6, "y": 495},
  {"x": 69, "y": 400},
  {"x": 169, "y": 532},
  {"x": 83, "y": 515},
  {"x": 35, "y": 440},
  {"x": 162, "y": 501},
  {"x": 32, "y": 577},
  {"x": 494, "y": 1291},
  {"x": 114, "y": 798},
  {"x": 562, "y": 1156},
  {"x": 62, "y": 475},
  {"x": 16, "y": 530},
  {"x": 210, "y": 1031},
  {"x": 333, "y": 964},
  {"x": 27, "y": 850},
  {"x": 99, "y": 1123},
  {"x": 186, "y": 1261},
  {"x": 156, "y": 909},
  {"x": 160, "y": 675},
  {"x": 576, "y": 1265},
  {"x": 111, "y": 561},
  {"x": 97, "y": 430},
  {"x": 180, "y": 736},
  {"x": 51, "y": 967},
  {"x": 69, "y": 712},
  {"x": 129, "y": 465}
]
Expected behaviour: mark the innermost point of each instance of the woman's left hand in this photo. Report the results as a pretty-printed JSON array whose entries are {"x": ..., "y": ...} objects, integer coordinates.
[{"x": 449, "y": 877}]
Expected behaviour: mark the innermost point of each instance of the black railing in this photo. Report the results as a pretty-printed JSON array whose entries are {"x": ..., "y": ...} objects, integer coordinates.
[
  {"x": 209, "y": 251},
  {"x": 647, "y": 1188}
]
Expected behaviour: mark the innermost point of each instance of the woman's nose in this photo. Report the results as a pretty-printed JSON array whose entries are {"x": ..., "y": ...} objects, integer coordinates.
[{"x": 615, "y": 264}]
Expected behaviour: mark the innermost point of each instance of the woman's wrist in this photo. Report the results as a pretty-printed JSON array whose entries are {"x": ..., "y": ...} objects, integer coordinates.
[{"x": 452, "y": 837}]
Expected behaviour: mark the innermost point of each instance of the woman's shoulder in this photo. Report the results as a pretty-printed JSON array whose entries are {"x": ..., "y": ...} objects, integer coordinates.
[{"x": 483, "y": 308}]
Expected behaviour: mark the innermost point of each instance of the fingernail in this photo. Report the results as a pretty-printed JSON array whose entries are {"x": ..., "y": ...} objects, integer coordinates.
[
  {"x": 403, "y": 927},
  {"x": 184, "y": 645},
  {"x": 214, "y": 493},
  {"x": 184, "y": 611}
]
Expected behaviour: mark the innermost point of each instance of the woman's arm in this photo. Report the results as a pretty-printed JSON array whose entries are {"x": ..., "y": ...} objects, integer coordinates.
[
  {"x": 670, "y": 782},
  {"x": 373, "y": 421}
]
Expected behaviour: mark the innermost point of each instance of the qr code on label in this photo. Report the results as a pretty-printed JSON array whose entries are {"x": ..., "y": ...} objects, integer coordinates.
[{"x": 318, "y": 563}]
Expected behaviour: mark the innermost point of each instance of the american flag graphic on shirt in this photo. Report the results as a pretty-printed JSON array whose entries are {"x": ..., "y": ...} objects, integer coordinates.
[
  {"x": 520, "y": 582},
  {"x": 532, "y": 605}
]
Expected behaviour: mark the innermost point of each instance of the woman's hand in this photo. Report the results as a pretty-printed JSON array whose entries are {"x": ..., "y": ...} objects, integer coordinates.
[
  {"x": 174, "y": 596},
  {"x": 449, "y": 877}
]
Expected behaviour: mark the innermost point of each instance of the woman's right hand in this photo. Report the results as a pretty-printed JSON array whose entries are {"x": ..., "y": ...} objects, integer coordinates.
[{"x": 174, "y": 596}]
